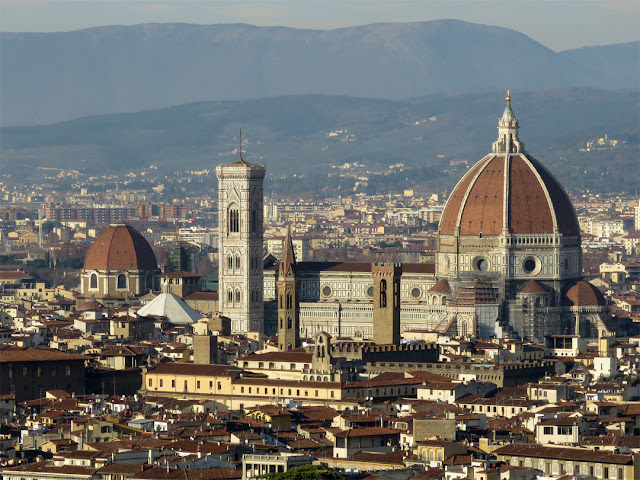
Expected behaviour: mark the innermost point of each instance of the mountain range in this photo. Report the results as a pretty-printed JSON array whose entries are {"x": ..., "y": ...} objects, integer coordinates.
[
  {"x": 52, "y": 77},
  {"x": 310, "y": 134}
]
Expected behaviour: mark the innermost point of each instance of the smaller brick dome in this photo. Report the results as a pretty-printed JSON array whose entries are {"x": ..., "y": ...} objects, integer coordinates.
[
  {"x": 441, "y": 287},
  {"x": 120, "y": 247},
  {"x": 533, "y": 287},
  {"x": 583, "y": 294}
]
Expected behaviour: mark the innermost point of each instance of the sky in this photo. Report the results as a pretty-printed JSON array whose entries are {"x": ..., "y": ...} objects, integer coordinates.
[{"x": 557, "y": 24}]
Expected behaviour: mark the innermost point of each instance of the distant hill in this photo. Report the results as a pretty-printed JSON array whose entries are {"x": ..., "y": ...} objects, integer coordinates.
[
  {"x": 49, "y": 77},
  {"x": 617, "y": 65},
  {"x": 293, "y": 133}
]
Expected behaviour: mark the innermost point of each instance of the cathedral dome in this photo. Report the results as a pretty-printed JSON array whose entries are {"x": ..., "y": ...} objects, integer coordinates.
[
  {"x": 583, "y": 294},
  {"x": 509, "y": 191},
  {"x": 120, "y": 247}
]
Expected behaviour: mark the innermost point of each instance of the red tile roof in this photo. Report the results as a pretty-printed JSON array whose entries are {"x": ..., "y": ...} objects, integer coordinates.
[
  {"x": 120, "y": 247},
  {"x": 38, "y": 354}
]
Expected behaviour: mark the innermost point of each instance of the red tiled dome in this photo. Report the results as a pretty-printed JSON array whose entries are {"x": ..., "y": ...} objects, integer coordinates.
[
  {"x": 583, "y": 294},
  {"x": 508, "y": 190},
  {"x": 533, "y": 287},
  {"x": 120, "y": 247},
  {"x": 536, "y": 202},
  {"x": 441, "y": 287}
]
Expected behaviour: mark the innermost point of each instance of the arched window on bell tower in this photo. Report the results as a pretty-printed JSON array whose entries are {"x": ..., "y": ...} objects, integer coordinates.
[
  {"x": 383, "y": 293},
  {"x": 234, "y": 219}
]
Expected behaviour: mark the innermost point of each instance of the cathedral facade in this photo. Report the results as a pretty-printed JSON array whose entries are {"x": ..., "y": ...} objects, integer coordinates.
[{"x": 508, "y": 261}]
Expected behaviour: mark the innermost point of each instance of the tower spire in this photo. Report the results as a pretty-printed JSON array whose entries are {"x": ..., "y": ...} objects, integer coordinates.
[
  {"x": 508, "y": 126},
  {"x": 288, "y": 298},
  {"x": 288, "y": 262},
  {"x": 240, "y": 148}
]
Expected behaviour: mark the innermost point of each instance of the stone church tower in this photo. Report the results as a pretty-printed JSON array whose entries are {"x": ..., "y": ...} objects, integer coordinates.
[
  {"x": 288, "y": 299},
  {"x": 240, "y": 223},
  {"x": 386, "y": 303}
]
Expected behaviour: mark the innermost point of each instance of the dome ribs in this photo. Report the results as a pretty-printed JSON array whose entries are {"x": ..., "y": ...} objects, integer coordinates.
[
  {"x": 120, "y": 247},
  {"x": 529, "y": 210},
  {"x": 483, "y": 209},
  {"x": 449, "y": 218}
]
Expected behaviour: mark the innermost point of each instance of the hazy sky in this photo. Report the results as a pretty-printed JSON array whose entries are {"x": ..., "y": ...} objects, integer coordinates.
[{"x": 558, "y": 24}]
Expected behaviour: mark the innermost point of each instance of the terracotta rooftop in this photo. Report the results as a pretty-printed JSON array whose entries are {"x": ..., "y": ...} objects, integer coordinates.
[
  {"x": 35, "y": 354},
  {"x": 574, "y": 454},
  {"x": 583, "y": 294},
  {"x": 536, "y": 202},
  {"x": 120, "y": 247},
  {"x": 441, "y": 287},
  {"x": 302, "y": 267},
  {"x": 533, "y": 287}
]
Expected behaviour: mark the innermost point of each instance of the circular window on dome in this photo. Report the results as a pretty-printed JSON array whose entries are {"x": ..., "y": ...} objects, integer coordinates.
[
  {"x": 416, "y": 292},
  {"x": 370, "y": 291},
  {"x": 481, "y": 264},
  {"x": 326, "y": 291},
  {"x": 531, "y": 265}
]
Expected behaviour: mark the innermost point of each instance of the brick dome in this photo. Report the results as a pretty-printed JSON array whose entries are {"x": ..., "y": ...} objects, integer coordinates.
[
  {"x": 508, "y": 188},
  {"x": 533, "y": 287},
  {"x": 120, "y": 247},
  {"x": 583, "y": 294}
]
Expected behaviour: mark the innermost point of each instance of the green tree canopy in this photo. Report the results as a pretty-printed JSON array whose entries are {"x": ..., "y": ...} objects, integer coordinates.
[{"x": 305, "y": 472}]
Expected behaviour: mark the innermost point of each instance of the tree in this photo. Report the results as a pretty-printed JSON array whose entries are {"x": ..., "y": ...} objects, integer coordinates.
[{"x": 305, "y": 472}]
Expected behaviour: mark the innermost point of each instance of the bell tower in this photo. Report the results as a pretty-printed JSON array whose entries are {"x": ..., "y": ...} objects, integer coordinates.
[
  {"x": 240, "y": 224},
  {"x": 386, "y": 303},
  {"x": 288, "y": 299}
]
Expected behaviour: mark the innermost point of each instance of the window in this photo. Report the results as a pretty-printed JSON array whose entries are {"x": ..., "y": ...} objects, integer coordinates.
[
  {"x": 234, "y": 219},
  {"x": 210, "y": 385},
  {"x": 54, "y": 371},
  {"x": 254, "y": 219},
  {"x": 289, "y": 301},
  {"x": 548, "y": 430},
  {"x": 606, "y": 472},
  {"x": 237, "y": 262},
  {"x": 173, "y": 384},
  {"x": 122, "y": 281},
  {"x": 565, "y": 430},
  {"x": 93, "y": 281},
  {"x": 161, "y": 382},
  {"x": 383, "y": 293},
  {"x": 197, "y": 384},
  {"x": 230, "y": 262},
  {"x": 238, "y": 296},
  {"x": 151, "y": 382},
  {"x": 229, "y": 297}
]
